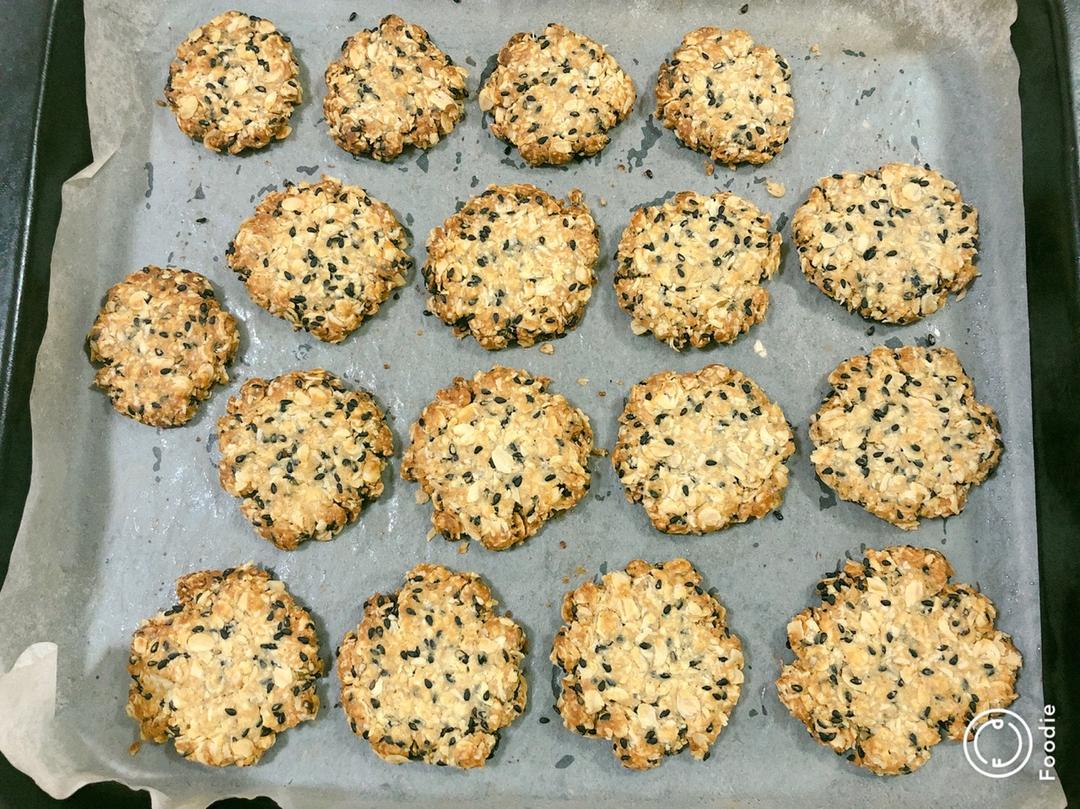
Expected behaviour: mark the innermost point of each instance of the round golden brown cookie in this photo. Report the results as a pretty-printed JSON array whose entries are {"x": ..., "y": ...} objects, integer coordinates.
[
  {"x": 555, "y": 95},
  {"x": 649, "y": 663},
  {"x": 890, "y": 244},
  {"x": 498, "y": 455},
  {"x": 727, "y": 97},
  {"x": 902, "y": 434},
  {"x": 691, "y": 269},
  {"x": 702, "y": 450},
  {"x": 304, "y": 453},
  {"x": 433, "y": 672},
  {"x": 895, "y": 658},
  {"x": 162, "y": 340},
  {"x": 234, "y": 83},
  {"x": 227, "y": 669},
  {"x": 514, "y": 265},
  {"x": 392, "y": 87},
  {"x": 322, "y": 256}
]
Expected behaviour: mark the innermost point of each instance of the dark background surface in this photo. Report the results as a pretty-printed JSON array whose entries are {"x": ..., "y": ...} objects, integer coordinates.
[{"x": 45, "y": 140}]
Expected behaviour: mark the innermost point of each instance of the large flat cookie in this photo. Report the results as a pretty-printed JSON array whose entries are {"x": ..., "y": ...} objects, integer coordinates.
[
  {"x": 726, "y": 96},
  {"x": 894, "y": 659},
  {"x": 304, "y": 453},
  {"x": 227, "y": 669},
  {"x": 162, "y": 341},
  {"x": 649, "y": 663},
  {"x": 323, "y": 256},
  {"x": 702, "y": 450},
  {"x": 514, "y": 265},
  {"x": 903, "y": 435},
  {"x": 691, "y": 270},
  {"x": 392, "y": 87},
  {"x": 234, "y": 83},
  {"x": 555, "y": 95},
  {"x": 891, "y": 244},
  {"x": 433, "y": 672},
  {"x": 498, "y": 456}
]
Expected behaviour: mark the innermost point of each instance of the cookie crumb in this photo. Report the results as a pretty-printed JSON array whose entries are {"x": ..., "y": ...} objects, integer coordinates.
[
  {"x": 775, "y": 189},
  {"x": 759, "y": 349},
  {"x": 547, "y": 348}
]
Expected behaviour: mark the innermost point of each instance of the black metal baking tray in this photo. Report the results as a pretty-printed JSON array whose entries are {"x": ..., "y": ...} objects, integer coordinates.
[{"x": 46, "y": 140}]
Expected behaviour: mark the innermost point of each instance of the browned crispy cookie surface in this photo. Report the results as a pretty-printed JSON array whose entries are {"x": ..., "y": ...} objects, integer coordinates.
[
  {"x": 234, "y": 83},
  {"x": 392, "y": 87},
  {"x": 162, "y": 341},
  {"x": 433, "y": 672},
  {"x": 726, "y": 96},
  {"x": 227, "y": 669},
  {"x": 304, "y": 453},
  {"x": 555, "y": 95},
  {"x": 323, "y": 256},
  {"x": 498, "y": 455},
  {"x": 702, "y": 450},
  {"x": 649, "y": 663},
  {"x": 895, "y": 658},
  {"x": 902, "y": 434},
  {"x": 891, "y": 244},
  {"x": 691, "y": 269},
  {"x": 514, "y": 265}
]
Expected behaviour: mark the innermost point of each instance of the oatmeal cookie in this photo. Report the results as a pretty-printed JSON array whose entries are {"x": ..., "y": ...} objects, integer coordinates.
[
  {"x": 392, "y": 87},
  {"x": 556, "y": 95},
  {"x": 895, "y": 658},
  {"x": 902, "y": 434},
  {"x": 162, "y": 341},
  {"x": 691, "y": 269},
  {"x": 649, "y": 663},
  {"x": 514, "y": 265},
  {"x": 433, "y": 673},
  {"x": 891, "y": 244},
  {"x": 234, "y": 83},
  {"x": 323, "y": 256},
  {"x": 498, "y": 455},
  {"x": 702, "y": 450},
  {"x": 727, "y": 97},
  {"x": 304, "y": 453},
  {"x": 227, "y": 669}
]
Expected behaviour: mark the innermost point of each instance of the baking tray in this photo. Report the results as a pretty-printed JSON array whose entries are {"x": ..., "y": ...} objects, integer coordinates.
[{"x": 1050, "y": 186}]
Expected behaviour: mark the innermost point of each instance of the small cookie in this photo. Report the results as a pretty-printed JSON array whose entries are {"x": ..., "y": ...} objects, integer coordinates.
[
  {"x": 234, "y": 83},
  {"x": 227, "y": 669},
  {"x": 322, "y": 256},
  {"x": 304, "y": 453},
  {"x": 649, "y": 663},
  {"x": 691, "y": 269},
  {"x": 890, "y": 244},
  {"x": 702, "y": 450},
  {"x": 163, "y": 341},
  {"x": 555, "y": 95},
  {"x": 894, "y": 658},
  {"x": 515, "y": 265},
  {"x": 902, "y": 434},
  {"x": 498, "y": 455},
  {"x": 727, "y": 97},
  {"x": 392, "y": 88},
  {"x": 433, "y": 672}
]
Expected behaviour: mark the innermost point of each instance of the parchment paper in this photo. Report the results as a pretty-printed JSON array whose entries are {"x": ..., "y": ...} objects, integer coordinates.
[{"x": 117, "y": 511}]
